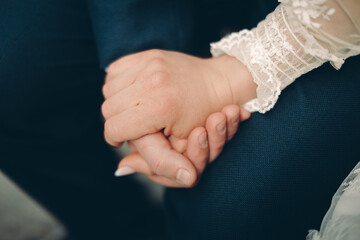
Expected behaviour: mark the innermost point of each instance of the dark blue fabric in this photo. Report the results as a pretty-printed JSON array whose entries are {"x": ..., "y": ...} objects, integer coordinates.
[
  {"x": 128, "y": 26},
  {"x": 51, "y": 130},
  {"x": 276, "y": 178},
  {"x": 278, "y": 173}
]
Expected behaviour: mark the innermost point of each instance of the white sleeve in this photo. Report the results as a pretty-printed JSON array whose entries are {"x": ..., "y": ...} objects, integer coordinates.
[
  {"x": 298, "y": 36},
  {"x": 342, "y": 220}
]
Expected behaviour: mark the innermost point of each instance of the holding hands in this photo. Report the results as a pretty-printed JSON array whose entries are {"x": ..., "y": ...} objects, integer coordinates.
[
  {"x": 157, "y": 94},
  {"x": 156, "y": 156}
]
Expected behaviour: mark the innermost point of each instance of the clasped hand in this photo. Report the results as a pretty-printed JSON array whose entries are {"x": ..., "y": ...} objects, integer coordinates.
[{"x": 157, "y": 94}]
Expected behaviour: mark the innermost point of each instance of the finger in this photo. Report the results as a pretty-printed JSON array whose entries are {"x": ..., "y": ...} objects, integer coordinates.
[
  {"x": 132, "y": 147},
  {"x": 121, "y": 101},
  {"x": 125, "y": 72},
  {"x": 145, "y": 70},
  {"x": 130, "y": 61},
  {"x": 112, "y": 142},
  {"x": 164, "y": 161},
  {"x": 232, "y": 113},
  {"x": 198, "y": 149},
  {"x": 244, "y": 114},
  {"x": 141, "y": 94},
  {"x": 131, "y": 124},
  {"x": 216, "y": 129},
  {"x": 123, "y": 64},
  {"x": 167, "y": 182},
  {"x": 120, "y": 81},
  {"x": 134, "y": 163},
  {"x": 178, "y": 144}
]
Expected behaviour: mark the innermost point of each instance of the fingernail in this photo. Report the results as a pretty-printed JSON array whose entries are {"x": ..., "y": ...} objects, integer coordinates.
[
  {"x": 123, "y": 171},
  {"x": 203, "y": 140},
  {"x": 183, "y": 177},
  {"x": 221, "y": 128},
  {"x": 235, "y": 120}
]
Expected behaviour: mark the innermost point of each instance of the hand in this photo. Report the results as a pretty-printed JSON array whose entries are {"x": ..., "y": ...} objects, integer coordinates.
[
  {"x": 154, "y": 156},
  {"x": 160, "y": 90}
]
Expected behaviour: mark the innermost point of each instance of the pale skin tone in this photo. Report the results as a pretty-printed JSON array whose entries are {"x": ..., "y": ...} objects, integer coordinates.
[
  {"x": 173, "y": 93},
  {"x": 157, "y": 158}
]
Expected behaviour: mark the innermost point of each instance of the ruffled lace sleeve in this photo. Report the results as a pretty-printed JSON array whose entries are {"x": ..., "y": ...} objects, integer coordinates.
[{"x": 298, "y": 36}]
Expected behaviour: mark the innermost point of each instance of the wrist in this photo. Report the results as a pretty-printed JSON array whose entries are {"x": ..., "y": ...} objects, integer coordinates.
[{"x": 241, "y": 86}]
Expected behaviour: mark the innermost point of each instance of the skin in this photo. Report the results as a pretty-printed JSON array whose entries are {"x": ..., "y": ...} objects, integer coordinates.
[
  {"x": 163, "y": 101},
  {"x": 150, "y": 154},
  {"x": 174, "y": 92}
]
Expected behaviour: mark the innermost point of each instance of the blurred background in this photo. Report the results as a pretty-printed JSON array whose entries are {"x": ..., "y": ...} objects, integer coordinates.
[{"x": 22, "y": 218}]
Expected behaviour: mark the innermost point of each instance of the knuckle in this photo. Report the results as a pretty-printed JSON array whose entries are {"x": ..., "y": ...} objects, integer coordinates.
[
  {"x": 111, "y": 129},
  {"x": 175, "y": 130},
  {"x": 159, "y": 79},
  {"x": 115, "y": 65},
  {"x": 106, "y": 90},
  {"x": 106, "y": 109},
  {"x": 231, "y": 112},
  {"x": 109, "y": 75},
  {"x": 157, "y": 63},
  {"x": 111, "y": 68},
  {"x": 155, "y": 53},
  {"x": 158, "y": 166},
  {"x": 218, "y": 118}
]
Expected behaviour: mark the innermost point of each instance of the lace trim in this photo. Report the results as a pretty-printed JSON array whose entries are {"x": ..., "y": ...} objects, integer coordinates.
[
  {"x": 287, "y": 44},
  {"x": 250, "y": 45},
  {"x": 271, "y": 53},
  {"x": 308, "y": 10}
]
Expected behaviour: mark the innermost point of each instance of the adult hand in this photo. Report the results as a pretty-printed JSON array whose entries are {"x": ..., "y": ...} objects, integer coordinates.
[
  {"x": 154, "y": 156},
  {"x": 159, "y": 90}
]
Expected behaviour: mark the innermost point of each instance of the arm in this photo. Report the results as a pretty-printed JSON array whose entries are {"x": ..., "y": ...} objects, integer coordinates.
[
  {"x": 159, "y": 90},
  {"x": 293, "y": 40},
  {"x": 176, "y": 92}
]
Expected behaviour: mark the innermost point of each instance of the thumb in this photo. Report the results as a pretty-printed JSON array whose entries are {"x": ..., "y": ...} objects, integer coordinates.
[
  {"x": 165, "y": 161},
  {"x": 131, "y": 164}
]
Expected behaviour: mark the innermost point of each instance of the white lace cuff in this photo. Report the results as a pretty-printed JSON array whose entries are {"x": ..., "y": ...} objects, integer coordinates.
[{"x": 284, "y": 46}]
